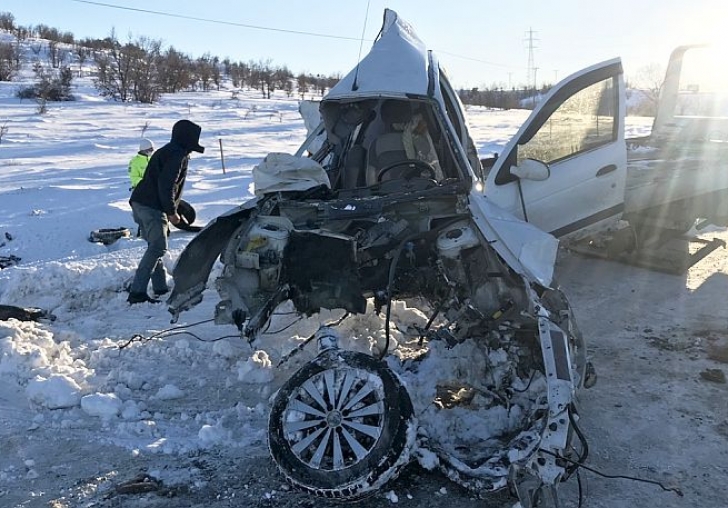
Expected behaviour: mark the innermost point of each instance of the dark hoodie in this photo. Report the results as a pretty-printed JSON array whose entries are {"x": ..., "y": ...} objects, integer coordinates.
[{"x": 161, "y": 187}]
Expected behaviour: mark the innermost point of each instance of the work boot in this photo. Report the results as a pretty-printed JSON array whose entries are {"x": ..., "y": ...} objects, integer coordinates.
[
  {"x": 158, "y": 293},
  {"x": 140, "y": 298}
]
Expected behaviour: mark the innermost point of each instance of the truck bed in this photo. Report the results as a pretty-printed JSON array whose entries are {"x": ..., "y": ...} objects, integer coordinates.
[{"x": 671, "y": 185}]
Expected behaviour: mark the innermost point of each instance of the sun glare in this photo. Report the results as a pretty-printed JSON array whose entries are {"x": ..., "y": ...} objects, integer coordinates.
[
  {"x": 703, "y": 87},
  {"x": 704, "y": 69}
]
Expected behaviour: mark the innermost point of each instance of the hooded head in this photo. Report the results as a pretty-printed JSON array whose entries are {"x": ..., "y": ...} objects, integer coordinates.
[
  {"x": 146, "y": 146},
  {"x": 187, "y": 134}
]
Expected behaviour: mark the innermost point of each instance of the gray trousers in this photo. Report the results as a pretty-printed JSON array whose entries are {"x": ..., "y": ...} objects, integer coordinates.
[{"x": 153, "y": 225}]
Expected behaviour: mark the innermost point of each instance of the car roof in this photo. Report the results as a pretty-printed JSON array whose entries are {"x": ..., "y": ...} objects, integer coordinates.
[{"x": 396, "y": 66}]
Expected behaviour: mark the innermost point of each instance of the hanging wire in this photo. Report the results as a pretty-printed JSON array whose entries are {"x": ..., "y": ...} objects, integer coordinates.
[
  {"x": 284, "y": 328},
  {"x": 676, "y": 490},
  {"x": 355, "y": 85},
  {"x": 279, "y": 30},
  {"x": 164, "y": 333},
  {"x": 216, "y": 21}
]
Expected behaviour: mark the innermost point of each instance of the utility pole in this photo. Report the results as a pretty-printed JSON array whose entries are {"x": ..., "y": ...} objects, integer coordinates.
[{"x": 531, "y": 80}]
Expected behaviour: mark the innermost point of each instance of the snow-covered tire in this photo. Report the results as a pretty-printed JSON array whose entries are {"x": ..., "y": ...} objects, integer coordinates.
[
  {"x": 108, "y": 236},
  {"x": 342, "y": 426}
]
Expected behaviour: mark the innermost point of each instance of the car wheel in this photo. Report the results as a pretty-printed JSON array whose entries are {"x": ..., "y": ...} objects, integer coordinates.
[{"x": 342, "y": 426}]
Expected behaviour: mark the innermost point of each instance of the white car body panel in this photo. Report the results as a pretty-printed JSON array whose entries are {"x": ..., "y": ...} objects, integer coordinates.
[
  {"x": 584, "y": 192},
  {"x": 527, "y": 249}
]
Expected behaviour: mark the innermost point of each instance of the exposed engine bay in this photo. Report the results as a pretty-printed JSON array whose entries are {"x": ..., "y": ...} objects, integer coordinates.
[
  {"x": 338, "y": 262},
  {"x": 513, "y": 346}
]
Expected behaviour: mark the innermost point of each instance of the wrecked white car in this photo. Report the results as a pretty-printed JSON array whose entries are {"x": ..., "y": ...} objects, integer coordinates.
[{"x": 383, "y": 203}]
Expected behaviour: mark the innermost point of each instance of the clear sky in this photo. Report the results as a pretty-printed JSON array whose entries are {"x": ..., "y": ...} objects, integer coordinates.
[{"x": 479, "y": 42}]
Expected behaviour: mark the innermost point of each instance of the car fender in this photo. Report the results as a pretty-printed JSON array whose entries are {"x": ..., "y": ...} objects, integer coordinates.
[
  {"x": 528, "y": 250},
  {"x": 192, "y": 269}
]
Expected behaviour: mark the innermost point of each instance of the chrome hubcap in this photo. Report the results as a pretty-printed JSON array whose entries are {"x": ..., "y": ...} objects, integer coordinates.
[{"x": 335, "y": 418}]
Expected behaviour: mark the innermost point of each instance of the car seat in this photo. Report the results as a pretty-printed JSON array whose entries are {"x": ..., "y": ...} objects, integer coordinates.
[
  {"x": 353, "y": 168},
  {"x": 388, "y": 148}
]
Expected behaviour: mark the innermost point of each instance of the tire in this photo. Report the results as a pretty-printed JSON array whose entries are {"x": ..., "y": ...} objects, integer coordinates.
[
  {"x": 342, "y": 426},
  {"x": 188, "y": 214},
  {"x": 108, "y": 236}
]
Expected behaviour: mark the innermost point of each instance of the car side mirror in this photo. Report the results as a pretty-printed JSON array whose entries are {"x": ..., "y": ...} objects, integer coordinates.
[{"x": 531, "y": 169}]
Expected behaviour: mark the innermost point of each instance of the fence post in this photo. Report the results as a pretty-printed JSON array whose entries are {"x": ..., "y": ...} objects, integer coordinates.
[{"x": 222, "y": 156}]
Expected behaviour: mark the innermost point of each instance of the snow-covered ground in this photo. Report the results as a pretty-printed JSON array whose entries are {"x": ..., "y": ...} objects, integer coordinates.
[{"x": 108, "y": 391}]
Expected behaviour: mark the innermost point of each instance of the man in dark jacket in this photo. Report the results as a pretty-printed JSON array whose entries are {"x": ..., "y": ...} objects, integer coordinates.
[{"x": 154, "y": 204}]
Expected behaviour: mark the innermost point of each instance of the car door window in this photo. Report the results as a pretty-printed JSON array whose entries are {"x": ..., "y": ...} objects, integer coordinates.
[{"x": 585, "y": 121}]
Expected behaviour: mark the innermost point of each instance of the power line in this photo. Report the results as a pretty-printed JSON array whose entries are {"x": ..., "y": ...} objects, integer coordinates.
[
  {"x": 218, "y": 21},
  {"x": 271, "y": 29},
  {"x": 504, "y": 66}
]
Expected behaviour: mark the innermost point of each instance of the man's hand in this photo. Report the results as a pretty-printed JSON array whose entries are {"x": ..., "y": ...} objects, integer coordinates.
[{"x": 174, "y": 218}]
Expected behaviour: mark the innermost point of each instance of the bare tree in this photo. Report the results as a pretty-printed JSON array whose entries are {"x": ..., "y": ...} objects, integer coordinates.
[
  {"x": 54, "y": 54},
  {"x": 18, "y": 51},
  {"x": 204, "y": 71},
  {"x": 283, "y": 79},
  {"x": 114, "y": 71},
  {"x": 22, "y": 33},
  {"x": 240, "y": 74},
  {"x": 7, "y": 21},
  {"x": 130, "y": 71},
  {"x": 82, "y": 53},
  {"x": 7, "y": 61},
  {"x": 216, "y": 73},
  {"x": 145, "y": 54},
  {"x": 226, "y": 66},
  {"x": 267, "y": 78},
  {"x": 3, "y": 130},
  {"x": 66, "y": 38},
  {"x": 52, "y": 85},
  {"x": 321, "y": 84},
  {"x": 138, "y": 70},
  {"x": 332, "y": 80},
  {"x": 175, "y": 71},
  {"x": 47, "y": 32},
  {"x": 303, "y": 84},
  {"x": 256, "y": 76},
  {"x": 648, "y": 83}
]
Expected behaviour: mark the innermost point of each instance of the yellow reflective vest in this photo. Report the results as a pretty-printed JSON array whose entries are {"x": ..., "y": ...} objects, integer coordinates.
[{"x": 137, "y": 167}]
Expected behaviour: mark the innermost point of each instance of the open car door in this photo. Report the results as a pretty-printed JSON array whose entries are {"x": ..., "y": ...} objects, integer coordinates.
[{"x": 565, "y": 169}]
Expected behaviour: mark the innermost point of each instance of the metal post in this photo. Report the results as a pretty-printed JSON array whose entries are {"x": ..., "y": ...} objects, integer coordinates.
[{"x": 222, "y": 156}]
